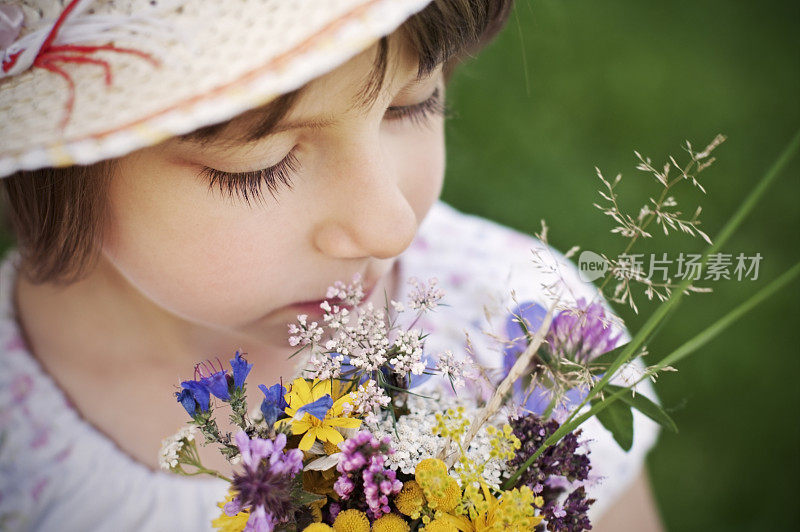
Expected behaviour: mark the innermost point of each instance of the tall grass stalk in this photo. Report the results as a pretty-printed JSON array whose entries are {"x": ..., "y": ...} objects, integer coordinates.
[{"x": 656, "y": 319}]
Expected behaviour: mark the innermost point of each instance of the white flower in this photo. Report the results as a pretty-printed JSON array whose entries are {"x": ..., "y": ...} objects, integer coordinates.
[
  {"x": 324, "y": 366},
  {"x": 453, "y": 368},
  {"x": 413, "y": 439},
  {"x": 408, "y": 358},
  {"x": 366, "y": 343},
  {"x": 424, "y": 297},
  {"x": 369, "y": 400},
  {"x": 304, "y": 333},
  {"x": 351, "y": 294},
  {"x": 171, "y": 447}
]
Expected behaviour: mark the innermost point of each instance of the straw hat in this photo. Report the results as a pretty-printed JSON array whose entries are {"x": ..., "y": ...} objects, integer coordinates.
[{"x": 86, "y": 80}]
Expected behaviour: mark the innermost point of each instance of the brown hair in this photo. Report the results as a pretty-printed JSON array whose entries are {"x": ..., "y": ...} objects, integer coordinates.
[{"x": 57, "y": 214}]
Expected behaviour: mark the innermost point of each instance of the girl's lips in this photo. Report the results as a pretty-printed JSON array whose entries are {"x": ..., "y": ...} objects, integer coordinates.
[{"x": 312, "y": 307}]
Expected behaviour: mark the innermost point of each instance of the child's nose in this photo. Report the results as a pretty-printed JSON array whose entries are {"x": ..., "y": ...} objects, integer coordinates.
[{"x": 369, "y": 215}]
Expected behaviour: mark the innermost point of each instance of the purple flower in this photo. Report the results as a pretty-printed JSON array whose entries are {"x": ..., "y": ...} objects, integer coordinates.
[
  {"x": 580, "y": 337},
  {"x": 532, "y": 315},
  {"x": 582, "y": 333},
  {"x": 572, "y": 516},
  {"x": 559, "y": 466},
  {"x": 260, "y": 521},
  {"x": 264, "y": 486},
  {"x": 376, "y": 481},
  {"x": 274, "y": 402},
  {"x": 240, "y": 369}
]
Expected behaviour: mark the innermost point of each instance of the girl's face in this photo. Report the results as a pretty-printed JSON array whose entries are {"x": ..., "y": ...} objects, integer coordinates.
[{"x": 361, "y": 182}]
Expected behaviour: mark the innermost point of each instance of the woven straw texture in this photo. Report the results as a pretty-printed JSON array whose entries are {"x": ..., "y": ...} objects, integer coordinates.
[{"x": 216, "y": 59}]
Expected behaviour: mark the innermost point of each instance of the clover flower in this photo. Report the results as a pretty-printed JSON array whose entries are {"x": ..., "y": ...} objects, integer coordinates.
[
  {"x": 363, "y": 470},
  {"x": 575, "y": 337},
  {"x": 582, "y": 333},
  {"x": 264, "y": 485}
]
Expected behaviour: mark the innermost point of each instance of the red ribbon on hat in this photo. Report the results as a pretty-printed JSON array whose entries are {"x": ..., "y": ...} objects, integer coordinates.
[{"x": 49, "y": 55}]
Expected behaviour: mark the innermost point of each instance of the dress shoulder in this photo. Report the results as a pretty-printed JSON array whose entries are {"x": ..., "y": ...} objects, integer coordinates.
[{"x": 57, "y": 472}]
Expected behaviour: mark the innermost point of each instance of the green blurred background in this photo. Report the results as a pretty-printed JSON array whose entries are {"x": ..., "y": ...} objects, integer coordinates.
[{"x": 573, "y": 84}]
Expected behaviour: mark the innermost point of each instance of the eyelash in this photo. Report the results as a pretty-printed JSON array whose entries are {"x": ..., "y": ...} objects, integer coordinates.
[{"x": 249, "y": 185}]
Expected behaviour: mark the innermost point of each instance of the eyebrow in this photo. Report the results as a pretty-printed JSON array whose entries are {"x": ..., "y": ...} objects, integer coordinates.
[
  {"x": 263, "y": 127},
  {"x": 257, "y": 132},
  {"x": 315, "y": 124}
]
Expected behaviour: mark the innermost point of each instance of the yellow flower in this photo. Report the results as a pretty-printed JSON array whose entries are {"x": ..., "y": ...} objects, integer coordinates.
[
  {"x": 512, "y": 512},
  {"x": 441, "y": 490},
  {"x": 303, "y": 393},
  {"x": 440, "y": 525},
  {"x": 320, "y": 482},
  {"x": 410, "y": 500},
  {"x": 317, "y": 527},
  {"x": 430, "y": 464},
  {"x": 351, "y": 521},
  {"x": 226, "y": 523},
  {"x": 390, "y": 523}
]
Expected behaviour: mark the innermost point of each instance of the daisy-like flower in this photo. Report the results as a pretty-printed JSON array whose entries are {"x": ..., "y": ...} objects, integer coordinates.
[{"x": 314, "y": 413}]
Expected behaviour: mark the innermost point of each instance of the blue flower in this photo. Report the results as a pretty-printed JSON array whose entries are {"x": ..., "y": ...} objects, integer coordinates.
[
  {"x": 217, "y": 384},
  {"x": 240, "y": 370},
  {"x": 319, "y": 408},
  {"x": 274, "y": 402},
  {"x": 192, "y": 395}
]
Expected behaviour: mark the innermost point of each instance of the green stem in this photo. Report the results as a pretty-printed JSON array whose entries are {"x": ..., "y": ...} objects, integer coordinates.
[
  {"x": 728, "y": 229},
  {"x": 721, "y": 324},
  {"x": 662, "y": 311},
  {"x": 687, "y": 348}
]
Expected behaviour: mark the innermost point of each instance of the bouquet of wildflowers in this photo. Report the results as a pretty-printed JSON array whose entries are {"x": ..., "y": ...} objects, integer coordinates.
[{"x": 377, "y": 434}]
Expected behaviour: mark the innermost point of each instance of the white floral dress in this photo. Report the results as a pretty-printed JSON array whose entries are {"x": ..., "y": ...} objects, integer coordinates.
[{"x": 60, "y": 473}]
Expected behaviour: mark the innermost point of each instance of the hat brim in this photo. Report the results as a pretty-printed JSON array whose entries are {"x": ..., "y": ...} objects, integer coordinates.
[{"x": 223, "y": 58}]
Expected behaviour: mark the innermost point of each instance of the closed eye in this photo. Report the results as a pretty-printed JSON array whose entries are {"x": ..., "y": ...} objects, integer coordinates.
[{"x": 250, "y": 185}]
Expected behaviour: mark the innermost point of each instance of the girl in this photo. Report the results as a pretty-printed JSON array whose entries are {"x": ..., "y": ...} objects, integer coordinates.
[{"x": 186, "y": 177}]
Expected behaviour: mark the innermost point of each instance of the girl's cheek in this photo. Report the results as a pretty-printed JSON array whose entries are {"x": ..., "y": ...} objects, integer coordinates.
[
  {"x": 189, "y": 251},
  {"x": 423, "y": 166}
]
